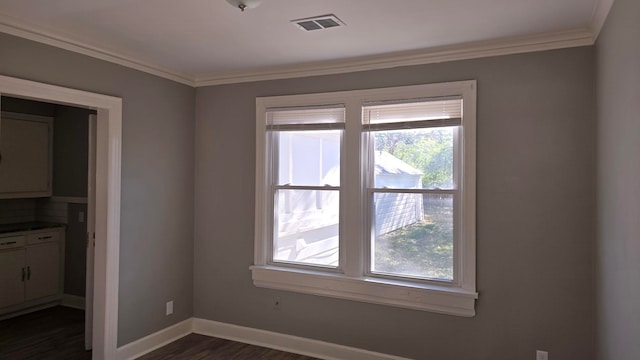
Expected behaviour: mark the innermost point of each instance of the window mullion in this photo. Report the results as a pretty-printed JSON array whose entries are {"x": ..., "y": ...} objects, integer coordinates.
[{"x": 351, "y": 207}]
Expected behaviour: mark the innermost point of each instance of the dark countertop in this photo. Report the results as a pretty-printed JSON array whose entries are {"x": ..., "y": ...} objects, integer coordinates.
[{"x": 36, "y": 225}]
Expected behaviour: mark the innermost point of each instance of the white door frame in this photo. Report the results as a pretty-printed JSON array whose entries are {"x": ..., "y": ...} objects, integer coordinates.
[{"x": 108, "y": 164}]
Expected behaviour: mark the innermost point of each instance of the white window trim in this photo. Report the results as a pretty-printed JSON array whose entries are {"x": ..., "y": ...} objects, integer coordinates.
[{"x": 352, "y": 283}]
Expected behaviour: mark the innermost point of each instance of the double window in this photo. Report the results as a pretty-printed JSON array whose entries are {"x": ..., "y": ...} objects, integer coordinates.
[{"x": 369, "y": 195}]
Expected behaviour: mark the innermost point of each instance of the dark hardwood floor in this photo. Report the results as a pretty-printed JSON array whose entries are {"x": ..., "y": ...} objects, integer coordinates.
[
  {"x": 200, "y": 347},
  {"x": 58, "y": 333},
  {"x": 54, "y": 333}
]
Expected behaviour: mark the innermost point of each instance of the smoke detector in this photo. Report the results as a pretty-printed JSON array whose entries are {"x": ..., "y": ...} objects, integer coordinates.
[{"x": 318, "y": 22}]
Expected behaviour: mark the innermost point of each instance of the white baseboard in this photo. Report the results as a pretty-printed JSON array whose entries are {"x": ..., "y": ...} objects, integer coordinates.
[
  {"x": 269, "y": 339},
  {"x": 156, "y": 340},
  {"x": 289, "y": 343},
  {"x": 73, "y": 301}
]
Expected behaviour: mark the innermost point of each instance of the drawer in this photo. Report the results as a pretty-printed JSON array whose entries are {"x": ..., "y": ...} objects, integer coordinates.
[
  {"x": 43, "y": 237},
  {"x": 11, "y": 242}
]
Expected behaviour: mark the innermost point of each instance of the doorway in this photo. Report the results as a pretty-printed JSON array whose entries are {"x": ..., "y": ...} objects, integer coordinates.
[
  {"x": 57, "y": 194},
  {"x": 107, "y": 199}
]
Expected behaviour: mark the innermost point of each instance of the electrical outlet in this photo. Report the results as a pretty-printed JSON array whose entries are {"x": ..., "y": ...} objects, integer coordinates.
[
  {"x": 169, "y": 307},
  {"x": 81, "y": 217},
  {"x": 542, "y": 355}
]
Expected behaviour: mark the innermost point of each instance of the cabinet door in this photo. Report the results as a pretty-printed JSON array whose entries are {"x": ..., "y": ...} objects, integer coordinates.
[
  {"x": 43, "y": 271},
  {"x": 11, "y": 284},
  {"x": 25, "y": 162}
]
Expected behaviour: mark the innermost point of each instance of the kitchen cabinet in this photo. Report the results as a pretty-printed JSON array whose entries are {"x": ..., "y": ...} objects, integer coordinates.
[
  {"x": 31, "y": 268},
  {"x": 11, "y": 268},
  {"x": 26, "y": 143}
]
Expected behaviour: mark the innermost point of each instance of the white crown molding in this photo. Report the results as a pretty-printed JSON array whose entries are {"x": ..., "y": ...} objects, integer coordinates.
[
  {"x": 20, "y": 28},
  {"x": 600, "y": 13},
  {"x": 541, "y": 42}
]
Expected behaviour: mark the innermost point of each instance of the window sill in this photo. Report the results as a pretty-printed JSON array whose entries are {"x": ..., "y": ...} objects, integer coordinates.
[{"x": 424, "y": 297}]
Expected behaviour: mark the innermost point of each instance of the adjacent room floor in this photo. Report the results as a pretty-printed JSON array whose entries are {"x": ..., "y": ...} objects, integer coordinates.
[
  {"x": 58, "y": 333},
  {"x": 53, "y": 333}
]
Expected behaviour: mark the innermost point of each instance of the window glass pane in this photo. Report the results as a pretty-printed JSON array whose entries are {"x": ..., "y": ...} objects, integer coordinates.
[
  {"x": 414, "y": 158},
  {"x": 309, "y": 158},
  {"x": 306, "y": 227},
  {"x": 413, "y": 235}
]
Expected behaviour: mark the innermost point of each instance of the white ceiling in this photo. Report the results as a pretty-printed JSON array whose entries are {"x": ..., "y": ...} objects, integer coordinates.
[{"x": 208, "y": 41}]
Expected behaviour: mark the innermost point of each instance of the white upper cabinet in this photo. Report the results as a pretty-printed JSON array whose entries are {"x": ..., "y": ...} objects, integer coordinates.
[{"x": 26, "y": 158}]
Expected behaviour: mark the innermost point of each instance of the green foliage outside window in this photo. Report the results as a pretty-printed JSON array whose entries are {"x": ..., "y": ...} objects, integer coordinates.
[{"x": 428, "y": 150}]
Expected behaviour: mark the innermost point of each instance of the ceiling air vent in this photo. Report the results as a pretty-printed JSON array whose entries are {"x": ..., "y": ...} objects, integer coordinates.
[{"x": 318, "y": 22}]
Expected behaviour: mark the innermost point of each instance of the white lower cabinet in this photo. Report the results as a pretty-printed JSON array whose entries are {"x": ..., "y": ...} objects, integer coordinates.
[
  {"x": 43, "y": 278},
  {"x": 31, "y": 269},
  {"x": 11, "y": 278}
]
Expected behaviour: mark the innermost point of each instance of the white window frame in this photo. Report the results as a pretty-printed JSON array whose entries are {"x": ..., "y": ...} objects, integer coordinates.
[{"x": 353, "y": 281}]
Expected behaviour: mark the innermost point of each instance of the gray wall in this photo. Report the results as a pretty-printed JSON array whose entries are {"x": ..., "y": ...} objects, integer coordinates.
[
  {"x": 535, "y": 209},
  {"x": 618, "y": 59},
  {"x": 156, "y": 239},
  {"x": 75, "y": 250},
  {"x": 70, "y": 151}
]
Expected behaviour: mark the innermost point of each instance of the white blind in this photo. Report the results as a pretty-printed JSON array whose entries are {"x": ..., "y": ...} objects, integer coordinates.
[
  {"x": 306, "y": 118},
  {"x": 412, "y": 113}
]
